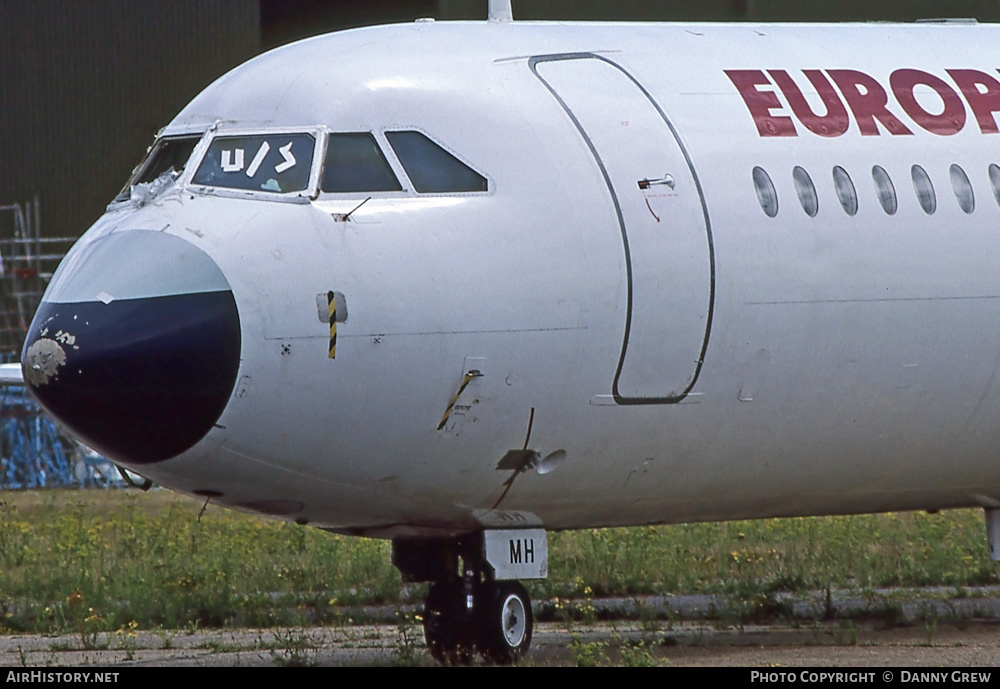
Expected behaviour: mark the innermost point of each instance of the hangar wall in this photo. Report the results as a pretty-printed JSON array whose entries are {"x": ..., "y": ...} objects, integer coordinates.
[{"x": 85, "y": 84}]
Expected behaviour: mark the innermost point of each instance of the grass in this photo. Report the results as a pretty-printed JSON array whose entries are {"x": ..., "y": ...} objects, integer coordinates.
[
  {"x": 98, "y": 562},
  {"x": 861, "y": 552},
  {"x": 101, "y": 560}
]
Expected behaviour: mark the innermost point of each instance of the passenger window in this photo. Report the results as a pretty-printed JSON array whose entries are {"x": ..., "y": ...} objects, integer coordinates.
[
  {"x": 995, "y": 181},
  {"x": 431, "y": 168},
  {"x": 766, "y": 195},
  {"x": 925, "y": 190},
  {"x": 274, "y": 162},
  {"x": 963, "y": 189},
  {"x": 846, "y": 192},
  {"x": 354, "y": 162},
  {"x": 883, "y": 187},
  {"x": 806, "y": 191}
]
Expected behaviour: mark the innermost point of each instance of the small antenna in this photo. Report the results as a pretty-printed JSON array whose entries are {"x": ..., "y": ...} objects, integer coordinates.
[
  {"x": 500, "y": 11},
  {"x": 347, "y": 216},
  {"x": 344, "y": 217}
]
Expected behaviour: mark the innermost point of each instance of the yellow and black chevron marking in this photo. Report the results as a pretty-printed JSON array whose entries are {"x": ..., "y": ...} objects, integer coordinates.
[
  {"x": 465, "y": 383},
  {"x": 332, "y": 305}
]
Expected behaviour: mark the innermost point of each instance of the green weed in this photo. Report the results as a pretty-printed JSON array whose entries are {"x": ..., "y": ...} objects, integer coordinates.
[
  {"x": 410, "y": 634},
  {"x": 930, "y": 618},
  {"x": 588, "y": 654},
  {"x": 637, "y": 654},
  {"x": 292, "y": 648}
]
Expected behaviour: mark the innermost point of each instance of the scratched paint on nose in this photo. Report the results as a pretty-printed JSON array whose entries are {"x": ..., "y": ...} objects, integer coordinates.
[{"x": 43, "y": 360}]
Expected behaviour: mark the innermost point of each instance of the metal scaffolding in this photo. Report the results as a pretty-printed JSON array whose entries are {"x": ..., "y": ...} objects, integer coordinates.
[
  {"x": 27, "y": 261},
  {"x": 34, "y": 451}
]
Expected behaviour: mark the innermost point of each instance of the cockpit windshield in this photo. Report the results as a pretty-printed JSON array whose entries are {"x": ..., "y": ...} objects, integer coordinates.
[
  {"x": 278, "y": 163},
  {"x": 167, "y": 155}
]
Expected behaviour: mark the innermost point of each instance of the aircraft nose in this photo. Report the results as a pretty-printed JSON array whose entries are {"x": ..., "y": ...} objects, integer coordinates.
[{"x": 135, "y": 347}]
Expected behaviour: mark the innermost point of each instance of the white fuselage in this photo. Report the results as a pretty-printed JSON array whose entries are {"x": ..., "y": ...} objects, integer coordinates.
[{"x": 693, "y": 357}]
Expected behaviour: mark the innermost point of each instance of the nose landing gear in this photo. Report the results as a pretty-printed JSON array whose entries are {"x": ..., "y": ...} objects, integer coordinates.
[
  {"x": 494, "y": 621},
  {"x": 468, "y": 612}
]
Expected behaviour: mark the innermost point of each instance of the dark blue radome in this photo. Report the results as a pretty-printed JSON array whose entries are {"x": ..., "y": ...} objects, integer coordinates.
[{"x": 139, "y": 380}]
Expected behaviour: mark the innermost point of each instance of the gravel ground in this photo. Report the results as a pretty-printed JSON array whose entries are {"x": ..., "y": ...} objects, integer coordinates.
[
  {"x": 926, "y": 629},
  {"x": 687, "y": 645}
]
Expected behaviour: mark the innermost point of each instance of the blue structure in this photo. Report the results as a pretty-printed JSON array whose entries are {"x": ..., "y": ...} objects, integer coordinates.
[{"x": 35, "y": 453}]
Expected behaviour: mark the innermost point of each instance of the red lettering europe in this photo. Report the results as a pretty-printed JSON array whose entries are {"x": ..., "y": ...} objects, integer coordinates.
[{"x": 849, "y": 96}]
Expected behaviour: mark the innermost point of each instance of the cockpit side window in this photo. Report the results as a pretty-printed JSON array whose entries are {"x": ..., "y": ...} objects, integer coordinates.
[
  {"x": 354, "y": 162},
  {"x": 278, "y": 163},
  {"x": 165, "y": 155},
  {"x": 431, "y": 168}
]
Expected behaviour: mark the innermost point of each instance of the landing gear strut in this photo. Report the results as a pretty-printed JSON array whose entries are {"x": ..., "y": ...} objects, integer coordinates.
[
  {"x": 449, "y": 632},
  {"x": 467, "y": 613}
]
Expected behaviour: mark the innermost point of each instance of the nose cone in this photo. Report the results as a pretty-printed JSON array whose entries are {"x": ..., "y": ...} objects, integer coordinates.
[{"x": 136, "y": 345}]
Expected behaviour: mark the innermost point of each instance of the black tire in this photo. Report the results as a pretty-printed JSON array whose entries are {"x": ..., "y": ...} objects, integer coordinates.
[
  {"x": 505, "y": 623},
  {"x": 447, "y": 631}
]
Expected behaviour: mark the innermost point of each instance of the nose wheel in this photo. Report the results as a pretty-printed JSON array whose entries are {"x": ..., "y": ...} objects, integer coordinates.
[
  {"x": 507, "y": 623},
  {"x": 497, "y": 625}
]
